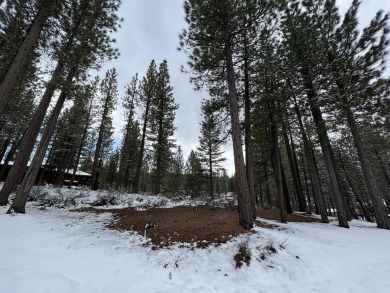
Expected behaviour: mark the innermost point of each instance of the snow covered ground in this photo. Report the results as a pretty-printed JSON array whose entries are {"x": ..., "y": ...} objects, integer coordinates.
[{"x": 57, "y": 250}]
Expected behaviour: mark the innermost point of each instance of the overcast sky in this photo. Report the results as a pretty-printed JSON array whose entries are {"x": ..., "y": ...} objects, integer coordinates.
[{"x": 150, "y": 31}]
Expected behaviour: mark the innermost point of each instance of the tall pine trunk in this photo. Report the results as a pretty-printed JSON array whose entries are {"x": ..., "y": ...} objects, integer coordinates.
[
  {"x": 381, "y": 217},
  {"x": 323, "y": 138},
  {"x": 248, "y": 130},
  {"x": 157, "y": 183},
  {"x": 21, "y": 58},
  {"x": 315, "y": 179},
  {"x": 244, "y": 198},
  {"x": 28, "y": 142},
  {"x": 29, "y": 179}
]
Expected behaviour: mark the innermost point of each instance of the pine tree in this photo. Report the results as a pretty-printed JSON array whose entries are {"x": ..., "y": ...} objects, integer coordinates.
[
  {"x": 147, "y": 93},
  {"x": 211, "y": 40},
  {"x": 175, "y": 178},
  {"x": 109, "y": 173},
  {"x": 194, "y": 177},
  {"x": 364, "y": 58},
  {"x": 75, "y": 53},
  {"x": 301, "y": 45},
  {"x": 162, "y": 127},
  {"x": 21, "y": 58},
  {"x": 109, "y": 93},
  {"x": 129, "y": 151},
  {"x": 209, "y": 149}
]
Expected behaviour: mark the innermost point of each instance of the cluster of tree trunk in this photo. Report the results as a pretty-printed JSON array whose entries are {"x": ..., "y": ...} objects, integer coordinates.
[{"x": 299, "y": 72}]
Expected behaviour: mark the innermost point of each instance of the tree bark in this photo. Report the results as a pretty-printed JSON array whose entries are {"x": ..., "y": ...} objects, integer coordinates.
[
  {"x": 23, "y": 192},
  {"x": 244, "y": 198},
  {"x": 21, "y": 58},
  {"x": 248, "y": 130},
  {"x": 325, "y": 146}
]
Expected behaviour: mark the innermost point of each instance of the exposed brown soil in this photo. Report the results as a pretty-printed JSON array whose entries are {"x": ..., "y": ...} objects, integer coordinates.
[{"x": 200, "y": 226}]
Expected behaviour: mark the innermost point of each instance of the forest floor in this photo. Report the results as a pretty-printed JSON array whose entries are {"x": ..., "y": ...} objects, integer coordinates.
[
  {"x": 78, "y": 241},
  {"x": 202, "y": 225}
]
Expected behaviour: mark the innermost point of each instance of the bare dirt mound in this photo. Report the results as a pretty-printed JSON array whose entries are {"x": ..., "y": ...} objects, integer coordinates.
[{"x": 200, "y": 226}]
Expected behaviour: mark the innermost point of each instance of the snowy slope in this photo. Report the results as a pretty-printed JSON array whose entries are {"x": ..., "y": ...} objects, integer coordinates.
[{"x": 55, "y": 250}]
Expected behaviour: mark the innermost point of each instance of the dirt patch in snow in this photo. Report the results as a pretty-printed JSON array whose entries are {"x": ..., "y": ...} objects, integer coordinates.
[{"x": 198, "y": 226}]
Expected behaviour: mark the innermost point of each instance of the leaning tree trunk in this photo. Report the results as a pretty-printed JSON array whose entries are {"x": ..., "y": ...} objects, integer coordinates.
[
  {"x": 381, "y": 217},
  {"x": 323, "y": 138},
  {"x": 28, "y": 142},
  {"x": 21, "y": 58},
  {"x": 315, "y": 180},
  {"x": 294, "y": 168},
  {"x": 29, "y": 179},
  {"x": 244, "y": 198}
]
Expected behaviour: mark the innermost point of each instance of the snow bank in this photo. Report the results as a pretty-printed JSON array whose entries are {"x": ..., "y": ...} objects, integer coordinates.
[{"x": 56, "y": 250}]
